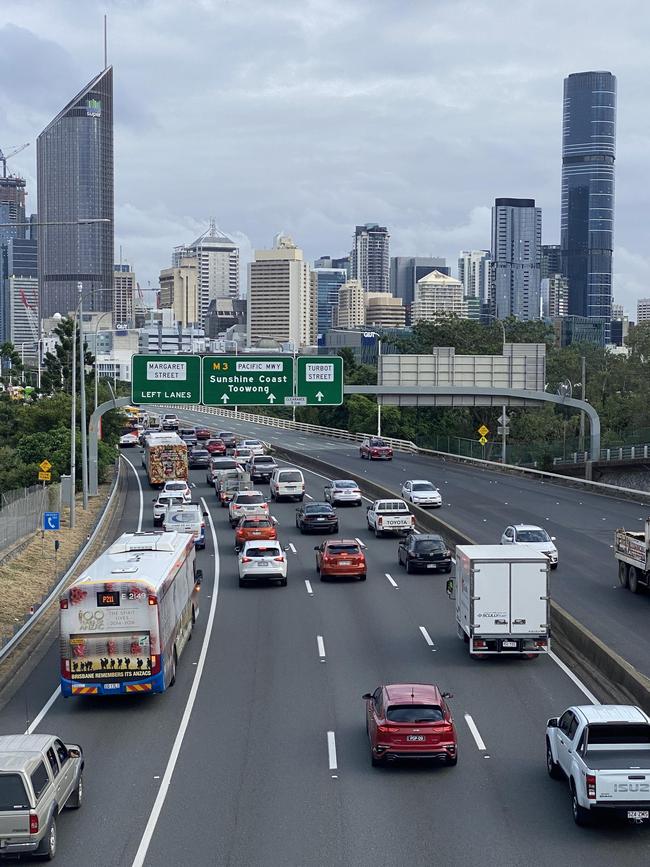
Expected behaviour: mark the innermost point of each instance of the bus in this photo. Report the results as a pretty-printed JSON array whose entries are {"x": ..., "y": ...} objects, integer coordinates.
[
  {"x": 164, "y": 457},
  {"x": 125, "y": 621}
]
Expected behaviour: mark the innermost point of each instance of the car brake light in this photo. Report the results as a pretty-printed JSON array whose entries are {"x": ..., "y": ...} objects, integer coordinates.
[
  {"x": 33, "y": 823},
  {"x": 246, "y": 559},
  {"x": 380, "y": 520},
  {"x": 63, "y": 603},
  {"x": 478, "y": 642},
  {"x": 591, "y": 787},
  {"x": 541, "y": 642},
  {"x": 279, "y": 559},
  {"x": 153, "y": 599}
]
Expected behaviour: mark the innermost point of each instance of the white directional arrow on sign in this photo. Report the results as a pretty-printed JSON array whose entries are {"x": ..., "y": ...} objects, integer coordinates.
[
  {"x": 319, "y": 396},
  {"x": 225, "y": 398},
  {"x": 270, "y": 398}
]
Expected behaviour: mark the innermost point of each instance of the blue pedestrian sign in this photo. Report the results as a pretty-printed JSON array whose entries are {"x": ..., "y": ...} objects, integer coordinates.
[{"x": 51, "y": 520}]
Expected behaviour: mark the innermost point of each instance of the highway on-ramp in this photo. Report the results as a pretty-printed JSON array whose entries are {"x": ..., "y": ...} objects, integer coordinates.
[{"x": 273, "y": 767}]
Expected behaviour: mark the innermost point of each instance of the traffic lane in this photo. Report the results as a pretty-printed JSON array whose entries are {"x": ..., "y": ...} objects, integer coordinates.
[
  {"x": 509, "y": 700},
  {"x": 126, "y": 743},
  {"x": 26, "y": 702},
  {"x": 251, "y": 766}
]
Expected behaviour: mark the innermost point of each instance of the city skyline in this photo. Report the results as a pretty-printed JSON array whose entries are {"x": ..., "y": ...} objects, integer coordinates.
[{"x": 430, "y": 206}]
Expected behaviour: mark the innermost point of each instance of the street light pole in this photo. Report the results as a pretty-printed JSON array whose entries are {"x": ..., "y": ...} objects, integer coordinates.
[
  {"x": 106, "y": 313},
  {"x": 73, "y": 427},
  {"x": 82, "y": 395},
  {"x": 378, "y": 367}
]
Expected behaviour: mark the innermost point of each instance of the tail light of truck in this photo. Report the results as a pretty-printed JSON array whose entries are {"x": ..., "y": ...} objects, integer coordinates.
[
  {"x": 33, "y": 823},
  {"x": 412, "y": 520},
  {"x": 591, "y": 787},
  {"x": 152, "y": 599},
  {"x": 380, "y": 521},
  {"x": 541, "y": 642},
  {"x": 478, "y": 642},
  {"x": 63, "y": 603}
]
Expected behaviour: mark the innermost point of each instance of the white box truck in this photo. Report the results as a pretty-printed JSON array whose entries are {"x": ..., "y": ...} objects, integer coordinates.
[{"x": 502, "y": 600}]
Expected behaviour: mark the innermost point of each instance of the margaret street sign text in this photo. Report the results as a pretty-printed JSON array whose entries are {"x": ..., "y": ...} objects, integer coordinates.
[
  {"x": 247, "y": 380},
  {"x": 166, "y": 379}
]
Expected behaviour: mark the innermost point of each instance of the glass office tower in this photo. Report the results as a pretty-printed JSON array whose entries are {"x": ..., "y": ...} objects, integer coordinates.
[
  {"x": 587, "y": 221},
  {"x": 75, "y": 182}
]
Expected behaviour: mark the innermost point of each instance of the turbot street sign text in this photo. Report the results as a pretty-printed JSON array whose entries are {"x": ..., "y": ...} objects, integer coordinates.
[
  {"x": 166, "y": 379},
  {"x": 247, "y": 380},
  {"x": 320, "y": 379}
]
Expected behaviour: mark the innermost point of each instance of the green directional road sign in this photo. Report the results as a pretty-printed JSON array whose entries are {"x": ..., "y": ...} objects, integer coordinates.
[
  {"x": 320, "y": 379},
  {"x": 166, "y": 379},
  {"x": 247, "y": 380}
]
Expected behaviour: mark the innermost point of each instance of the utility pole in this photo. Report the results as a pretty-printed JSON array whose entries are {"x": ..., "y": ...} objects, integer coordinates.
[
  {"x": 583, "y": 379},
  {"x": 82, "y": 407}
]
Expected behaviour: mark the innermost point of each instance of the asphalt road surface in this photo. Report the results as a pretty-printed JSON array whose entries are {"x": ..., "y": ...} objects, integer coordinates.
[
  {"x": 258, "y": 781},
  {"x": 482, "y": 503}
]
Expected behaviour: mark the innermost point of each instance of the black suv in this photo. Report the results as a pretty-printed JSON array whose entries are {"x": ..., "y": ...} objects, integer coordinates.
[
  {"x": 424, "y": 551},
  {"x": 261, "y": 467},
  {"x": 317, "y": 516}
]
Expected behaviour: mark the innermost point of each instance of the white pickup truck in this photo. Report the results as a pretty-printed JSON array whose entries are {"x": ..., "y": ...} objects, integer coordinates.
[
  {"x": 389, "y": 516},
  {"x": 604, "y": 753}
]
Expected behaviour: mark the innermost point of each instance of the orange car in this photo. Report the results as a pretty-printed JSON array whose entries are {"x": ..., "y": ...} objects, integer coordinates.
[
  {"x": 253, "y": 528},
  {"x": 340, "y": 558}
]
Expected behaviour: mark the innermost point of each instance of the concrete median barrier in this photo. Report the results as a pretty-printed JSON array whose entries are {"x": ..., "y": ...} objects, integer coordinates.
[{"x": 607, "y": 674}]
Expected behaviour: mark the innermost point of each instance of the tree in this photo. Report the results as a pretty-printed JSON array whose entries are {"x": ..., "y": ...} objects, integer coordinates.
[
  {"x": 56, "y": 374},
  {"x": 10, "y": 361}
]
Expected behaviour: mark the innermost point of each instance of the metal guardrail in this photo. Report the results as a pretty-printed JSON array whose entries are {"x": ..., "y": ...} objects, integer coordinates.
[
  {"x": 614, "y": 453},
  {"x": 56, "y": 590}
]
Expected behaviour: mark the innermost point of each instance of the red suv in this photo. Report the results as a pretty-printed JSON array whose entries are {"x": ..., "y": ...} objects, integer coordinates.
[
  {"x": 216, "y": 446},
  {"x": 410, "y": 721},
  {"x": 340, "y": 558},
  {"x": 376, "y": 449}
]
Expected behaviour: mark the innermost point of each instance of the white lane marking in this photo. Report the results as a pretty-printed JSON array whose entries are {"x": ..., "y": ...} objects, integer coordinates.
[
  {"x": 471, "y": 725},
  {"x": 193, "y": 485},
  {"x": 309, "y": 496},
  {"x": 426, "y": 636},
  {"x": 574, "y": 677},
  {"x": 391, "y": 580},
  {"x": 359, "y": 542},
  {"x": 43, "y": 711},
  {"x": 321, "y": 647},
  {"x": 416, "y": 531},
  {"x": 308, "y": 586},
  {"x": 293, "y": 548},
  {"x": 156, "y": 810},
  {"x": 137, "y": 478},
  {"x": 331, "y": 751}
]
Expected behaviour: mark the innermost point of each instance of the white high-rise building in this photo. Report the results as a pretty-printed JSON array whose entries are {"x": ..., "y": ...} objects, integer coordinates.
[
  {"x": 179, "y": 291},
  {"x": 643, "y": 310},
  {"x": 123, "y": 291},
  {"x": 351, "y": 309},
  {"x": 282, "y": 296},
  {"x": 437, "y": 295},
  {"x": 473, "y": 273},
  {"x": 370, "y": 257},
  {"x": 217, "y": 266}
]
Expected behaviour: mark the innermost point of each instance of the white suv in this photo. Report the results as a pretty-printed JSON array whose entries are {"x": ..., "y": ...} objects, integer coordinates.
[
  {"x": 532, "y": 537},
  {"x": 178, "y": 486},
  {"x": 262, "y": 561},
  {"x": 247, "y": 503}
]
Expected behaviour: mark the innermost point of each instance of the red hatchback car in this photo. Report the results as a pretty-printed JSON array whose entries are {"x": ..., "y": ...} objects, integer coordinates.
[
  {"x": 202, "y": 433},
  {"x": 410, "y": 721},
  {"x": 216, "y": 447},
  {"x": 376, "y": 449},
  {"x": 340, "y": 558}
]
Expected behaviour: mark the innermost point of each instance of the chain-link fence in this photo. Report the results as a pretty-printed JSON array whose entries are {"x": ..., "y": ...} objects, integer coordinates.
[{"x": 21, "y": 512}]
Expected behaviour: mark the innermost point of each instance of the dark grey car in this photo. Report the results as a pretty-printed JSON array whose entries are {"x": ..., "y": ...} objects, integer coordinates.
[{"x": 198, "y": 458}]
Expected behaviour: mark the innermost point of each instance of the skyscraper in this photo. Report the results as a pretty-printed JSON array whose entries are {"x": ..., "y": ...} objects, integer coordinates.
[
  {"x": 281, "y": 296},
  {"x": 123, "y": 292},
  {"x": 328, "y": 281},
  {"x": 516, "y": 243},
  {"x": 12, "y": 207},
  {"x": 217, "y": 258},
  {"x": 19, "y": 292},
  {"x": 75, "y": 183},
  {"x": 370, "y": 257},
  {"x": 473, "y": 273},
  {"x": 587, "y": 218},
  {"x": 551, "y": 260},
  {"x": 405, "y": 271}
]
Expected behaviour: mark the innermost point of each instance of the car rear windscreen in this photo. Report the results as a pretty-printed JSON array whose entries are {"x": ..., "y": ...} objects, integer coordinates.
[
  {"x": 290, "y": 477},
  {"x": 12, "y": 793},
  {"x": 345, "y": 484},
  {"x": 615, "y": 733},
  {"x": 262, "y": 552},
  {"x": 220, "y": 464},
  {"x": 263, "y": 459},
  {"x": 427, "y": 546},
  {"x": 413, "y": 713},
  {"x": 200, "y": 453},
  {"x": 250, "y": 499},
  {"x": 342, "y": 549},
  {"x": 260, "y": 525}
]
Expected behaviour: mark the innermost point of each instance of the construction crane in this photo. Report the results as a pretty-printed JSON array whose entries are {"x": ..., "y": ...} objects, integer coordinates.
[
  {"x": 32, "y": 315},
  {"x": 12, "y": 153}
]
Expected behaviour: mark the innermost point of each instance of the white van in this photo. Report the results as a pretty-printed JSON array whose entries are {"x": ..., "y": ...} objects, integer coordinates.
[{"x": 287, "y": 482}]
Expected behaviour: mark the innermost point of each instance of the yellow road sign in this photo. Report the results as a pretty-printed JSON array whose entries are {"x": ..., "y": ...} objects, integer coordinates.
[
  {"x": 482, "y": 441},
  {"x": 45, "y": 465},
  {"x": 44, "y": 477},
  {"x": 483, "y": 431}
]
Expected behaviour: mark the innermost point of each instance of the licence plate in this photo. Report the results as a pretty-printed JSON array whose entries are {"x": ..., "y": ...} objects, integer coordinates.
[
  {"x": 345, "y": 562},
  {"x": 431, "y": 565},
  {"x": 509, "y": 643},
  {"x": 262, "y": 563},
  {"x": 415, "y": 737},
  {"x": 111, "y": 686},
  {"x": 638, "y": 814}
]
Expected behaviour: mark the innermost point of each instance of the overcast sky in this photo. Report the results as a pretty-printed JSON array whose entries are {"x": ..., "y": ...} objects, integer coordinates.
[{"x": 310, "y": 116}]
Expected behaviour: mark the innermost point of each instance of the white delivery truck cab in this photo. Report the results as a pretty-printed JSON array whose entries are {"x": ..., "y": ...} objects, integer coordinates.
[{"x": 502, "y": 600}]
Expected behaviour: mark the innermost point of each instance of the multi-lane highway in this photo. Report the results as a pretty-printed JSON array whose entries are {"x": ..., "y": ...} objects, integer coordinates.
[
  {"x": 257, "y": 781},
  {"x": 481, "y": 503}
]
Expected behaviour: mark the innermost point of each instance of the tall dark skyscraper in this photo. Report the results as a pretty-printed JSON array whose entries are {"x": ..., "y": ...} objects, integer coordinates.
[
  {"x": 515, "y": 266},
  {"x": 587, "y": 222},
  {"x": 370, "y": 257},
  {"x": 75, "y": 182}
]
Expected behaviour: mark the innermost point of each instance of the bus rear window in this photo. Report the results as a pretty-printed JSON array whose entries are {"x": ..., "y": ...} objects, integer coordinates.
[{"x": 12, "y": 793}]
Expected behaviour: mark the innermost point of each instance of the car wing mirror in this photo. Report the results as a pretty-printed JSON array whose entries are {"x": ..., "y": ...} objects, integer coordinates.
[
  {"x": 367, "y": 696},
  {"x": 553, "y": 538},
  {"x": 447, "y": 695},
  {"x": 74, "y": 753},
  {"x": 286, "y": 547},
  {"x": 553, "y": 722},
  {"x": 451, "y": 588},
  {"x": 205, "y": 515},
  {"x": 316, "y": 547}
]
